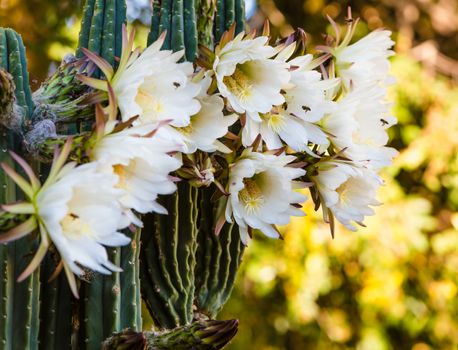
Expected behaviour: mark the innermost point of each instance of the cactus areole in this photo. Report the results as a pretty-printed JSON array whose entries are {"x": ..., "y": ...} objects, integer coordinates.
[{"x": 137, "y": 177}]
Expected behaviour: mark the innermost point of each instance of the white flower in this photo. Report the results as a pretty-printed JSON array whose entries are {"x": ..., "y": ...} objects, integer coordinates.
[
  {"x": 247, "y": 75},
  {"x": 358, "y": 126},
  {"x": 347, "y": 191},
  {"x": 156, "y": 87},
  {"x": 77, "y": 208},
  {"x": 142, "y": 163},
  {"x": 295, "y": 122},
  {"x": 81, "y": 213},
  {"x": 261, "y": 192},
  {"x": 208, "y": 124},
  {"x": 366, "y": 60}
]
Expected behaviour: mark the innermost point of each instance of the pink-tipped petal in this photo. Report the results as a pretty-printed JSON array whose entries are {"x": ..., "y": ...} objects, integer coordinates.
[
  {"x": 71, "y": 280},
  {"x": 19, "y": 231},
  {"x": 19, "y": 208},
  {"x": 103, "y": 64},
  {"x": 27, "y": 169},
  {"x": 37, "y": 259},
  {"x": 93, "y": 82},
  {"x": 18, "y": 179}
]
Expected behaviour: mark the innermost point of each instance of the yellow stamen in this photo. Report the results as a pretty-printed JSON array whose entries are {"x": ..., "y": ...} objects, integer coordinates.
[
  {"x": 275, "y": 121},
  {"x": 74, "y": 227},
  {"x": 147, "y": 102},
  {"x": 123, "y": 175},
  {"x": 251, "y": 195},
  {"x": 239, "y": 83}
]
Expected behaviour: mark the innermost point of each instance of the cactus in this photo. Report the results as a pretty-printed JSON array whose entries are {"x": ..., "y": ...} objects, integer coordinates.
[
  {"x": 218, "y": 260},
  {"x": 184, "y": 272},
  {"x": 108, "y": 303},
  {"x": 18, "y": 301},
  {"x": 200, "y": 335}
]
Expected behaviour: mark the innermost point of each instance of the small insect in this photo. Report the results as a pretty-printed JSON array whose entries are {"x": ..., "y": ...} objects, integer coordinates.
[
  {"x": 306, "y": 108},
  {"x": 384, "y": 122}
]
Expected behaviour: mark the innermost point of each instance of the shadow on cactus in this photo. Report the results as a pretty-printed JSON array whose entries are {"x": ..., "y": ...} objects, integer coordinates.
[{"x": 162, "y": 164}]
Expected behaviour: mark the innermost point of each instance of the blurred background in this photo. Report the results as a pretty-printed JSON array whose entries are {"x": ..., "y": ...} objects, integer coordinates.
[{"x": 390, "y": 286}]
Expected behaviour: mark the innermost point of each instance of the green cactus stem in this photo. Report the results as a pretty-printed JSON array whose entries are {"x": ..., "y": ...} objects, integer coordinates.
[
  {"x": 168, "y": 259},
  {"x": 178, "y": 19},
  {"x": 239, "y": 16},
  {"x": 101, "y": 28},
  {"x": 218, "y": 259},
  {"x": 229, "y": 12},
  {"x": 18, "y": 301},
  {"x": 200, "y": 335},
  {"x": 56, "y": 325}
]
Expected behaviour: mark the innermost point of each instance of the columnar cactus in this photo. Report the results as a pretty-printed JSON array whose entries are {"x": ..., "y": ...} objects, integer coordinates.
[
  {"x": 19, "y": 303},
  {"x": 164, "y": 162},
  {"x": 46, "y": 315}
]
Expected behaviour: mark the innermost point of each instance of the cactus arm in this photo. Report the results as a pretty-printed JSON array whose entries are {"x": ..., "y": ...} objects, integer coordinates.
[
  {"x": 108, "y": 32},
  {"x": 130, "y": 282},
  {"x": 83, "y": 40},
  {"x": 96, "y": 32},
  {"x": 112, "y": 297},
  {"x": 218, "y": 260},
  {"x": 17, "y": 67},
  {"x": 236, "y": 253},
  {"x": 239, "y": 16},
  {"x": 229, "y": 13},
  {"x": 190, "y": 29},
  {"x": 204, "y": 249},
  {"x": 92, "y": 322},
  {"x": 155, "y": 19},
  {"x": 177, "y": 28},
  {"x": 56, "y": 309},
  {"x": 157, "y": 287},
  {"x": 186, "y": 243},
  {"x": 165, "y": 23},
  {"x": 223, "y": 273},
  {"x": 17, "y": 301},
  {"x": 120, "y": 20},
  {"x": 220, "y": 21},
  {"x": 4, "y": 302},
  {"x": 49, "y": 308},
  {"x": 3, "y": 50}
]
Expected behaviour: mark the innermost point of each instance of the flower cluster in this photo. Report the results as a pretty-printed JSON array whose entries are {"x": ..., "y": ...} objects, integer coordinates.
[{"x": 254, "y": 121}]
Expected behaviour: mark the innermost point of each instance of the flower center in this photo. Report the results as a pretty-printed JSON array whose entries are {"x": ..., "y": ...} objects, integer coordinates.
[
  {"x": 251, "y": 196},
  {"x": 74, "y": 227},
  {"x": 239, "y": 83},
  {"x": 147, "y": 102},
  {"x": 275, "y": 121},
  {"x": 345, "y": 191},
  {"x": 123, "y": 174}
]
